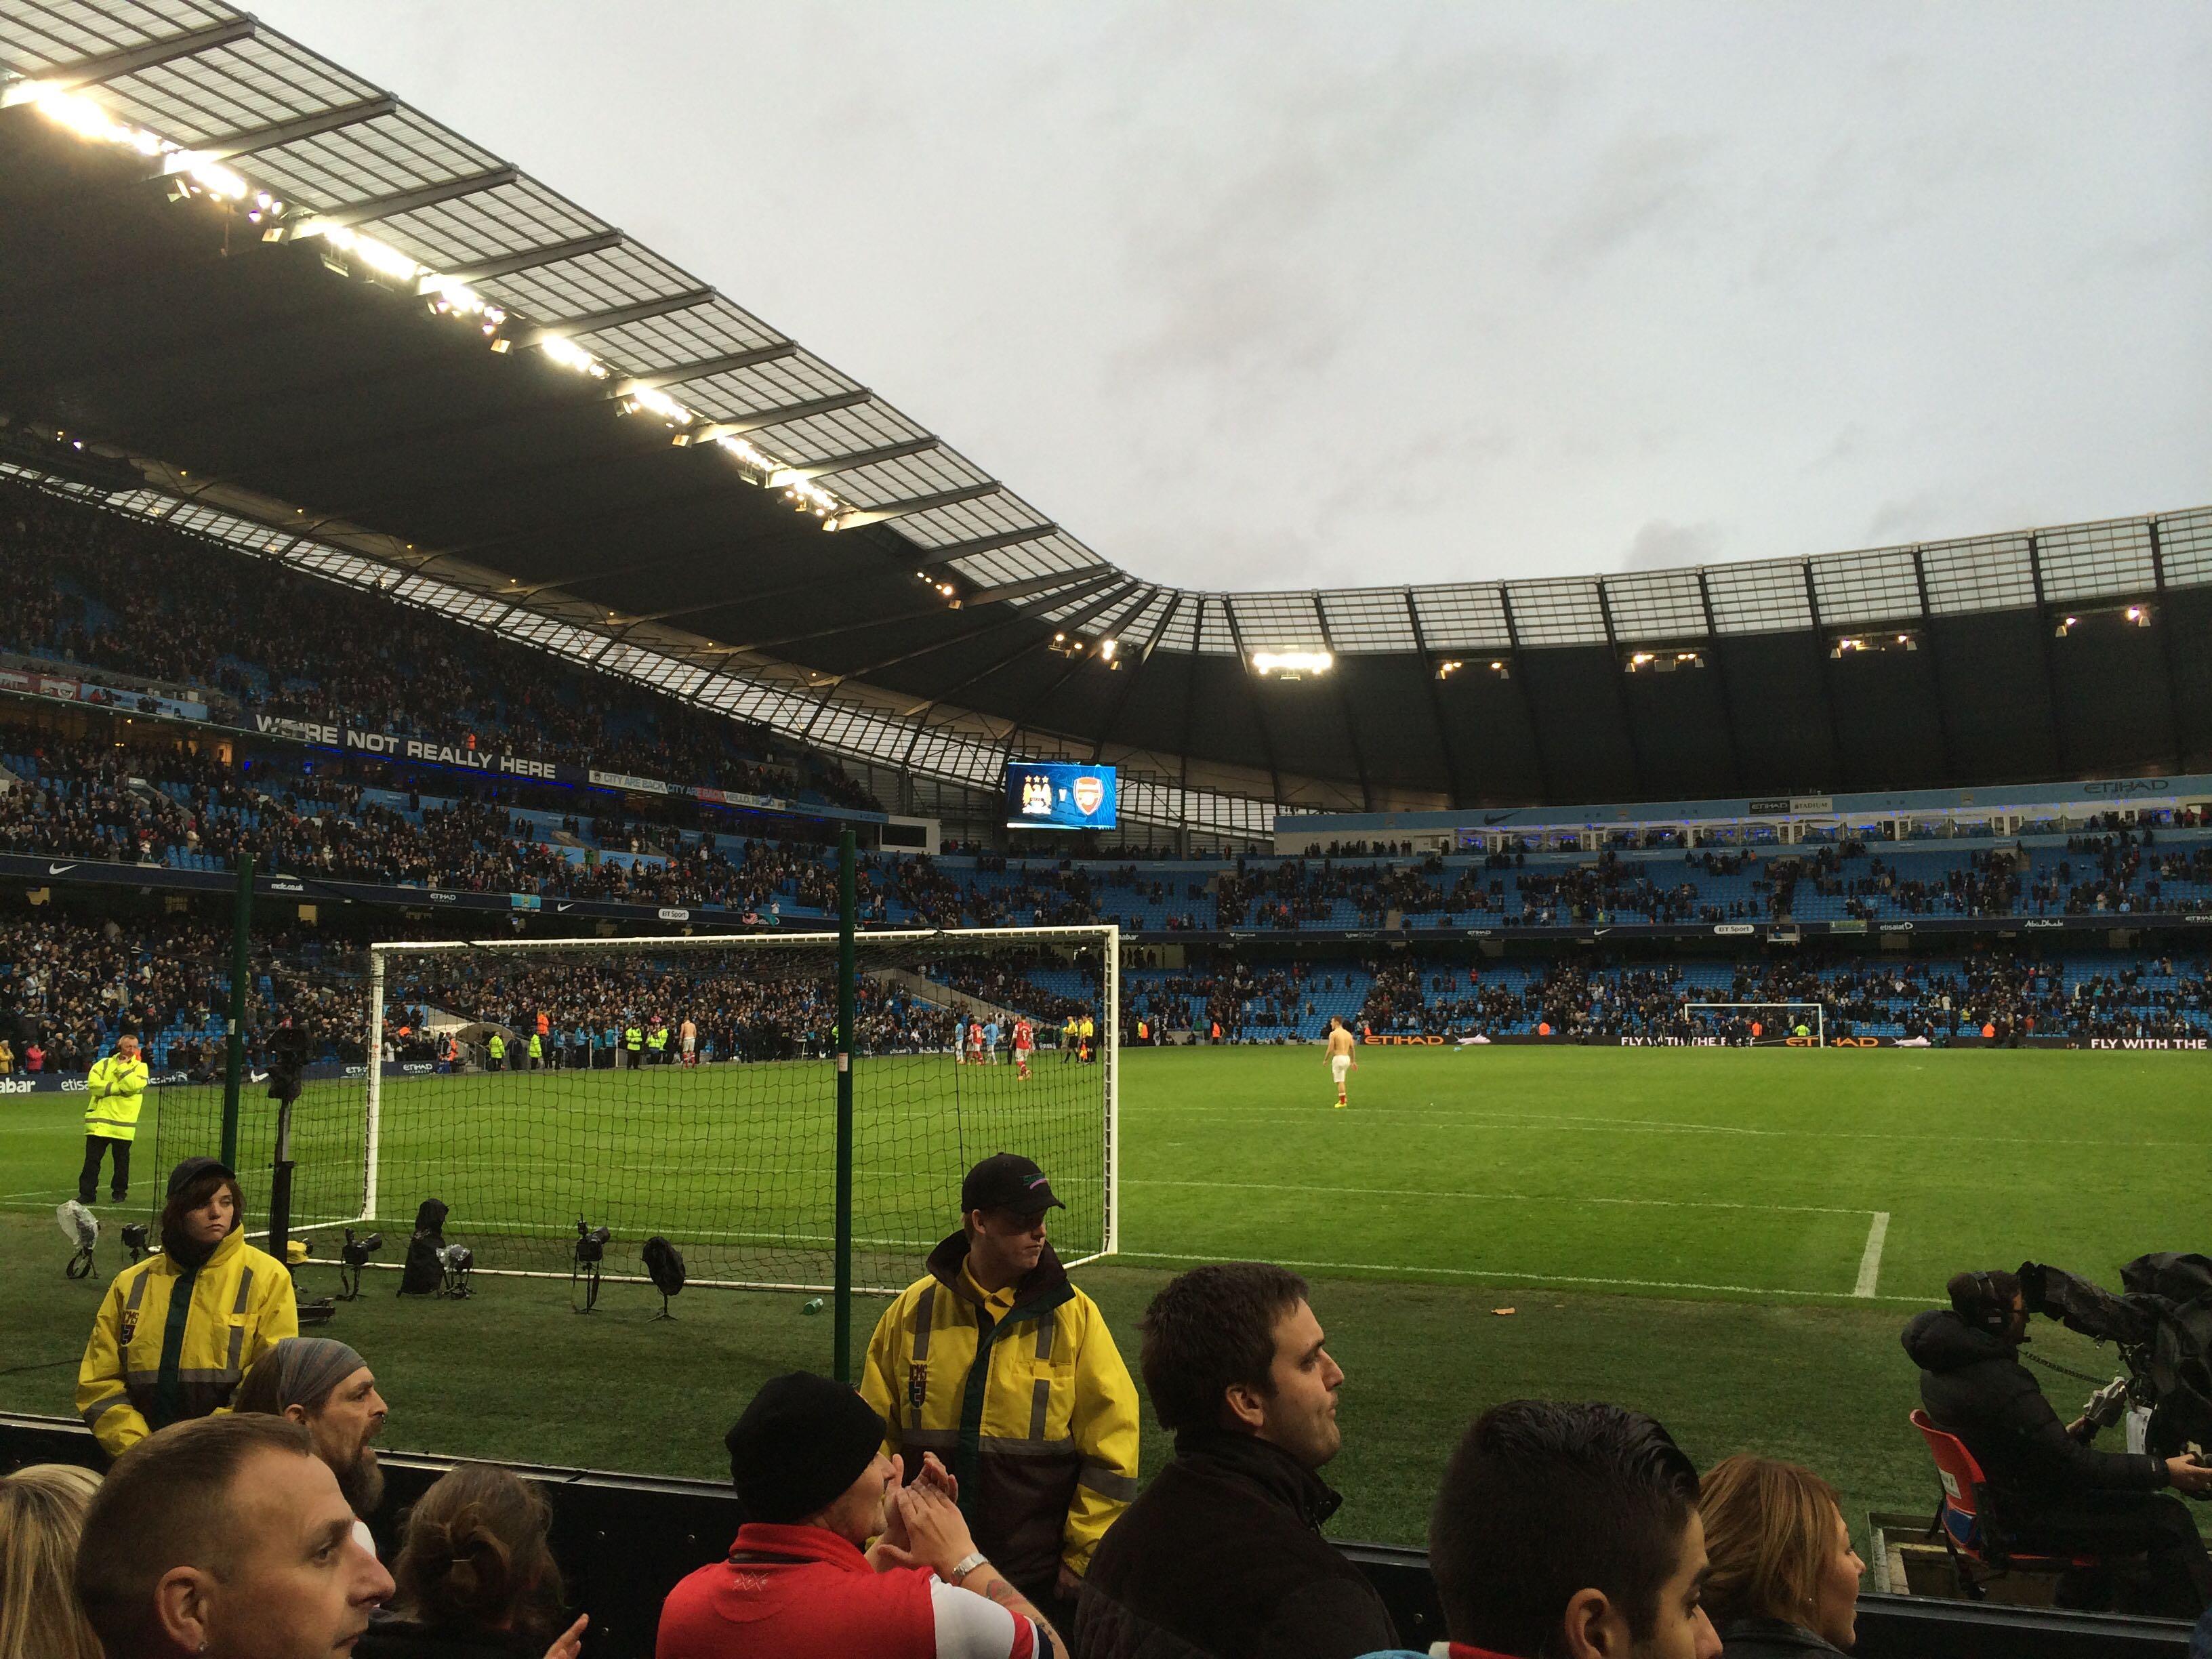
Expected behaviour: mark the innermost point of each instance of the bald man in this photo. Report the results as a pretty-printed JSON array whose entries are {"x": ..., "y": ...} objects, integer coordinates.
[
  {"x": 114, "y": 1090},
  {"x": 224, "y": 1538}
]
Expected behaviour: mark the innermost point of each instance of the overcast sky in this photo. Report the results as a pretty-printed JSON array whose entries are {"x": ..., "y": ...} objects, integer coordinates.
[{"x": 1273, "y": 296}]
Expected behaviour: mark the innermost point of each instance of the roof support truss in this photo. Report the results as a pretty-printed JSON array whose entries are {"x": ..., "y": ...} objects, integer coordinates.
[
  {"x": 530, "y": 258},
  {"x": 1129, "y": 679},
  {"x": 407, "y": 201},
  {"x": 798, "y": 471},
  {"x": 914, "y": 504},
  {"x": 729, "y": 363},
  {"x": 279, "y": 133},
  {"x": 1344, "y": 706},
  {"x": 937, "y": 558},
  {"x": 618, "y": 317},
  {"x": 1088, "y": 579},
  {"x": 1452, "y": 776},
  {"x": 761, "y": 419},
  {"x": 114, "y": 65}
]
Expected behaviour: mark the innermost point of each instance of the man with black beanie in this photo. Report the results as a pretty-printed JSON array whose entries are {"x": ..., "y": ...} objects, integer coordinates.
[{"x": 803, "y": 1582}]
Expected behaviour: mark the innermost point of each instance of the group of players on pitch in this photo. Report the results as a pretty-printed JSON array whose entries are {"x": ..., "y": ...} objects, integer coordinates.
[
  {"x": 1078, "y": 1037},
  {"x": 980, "y": 1046}
]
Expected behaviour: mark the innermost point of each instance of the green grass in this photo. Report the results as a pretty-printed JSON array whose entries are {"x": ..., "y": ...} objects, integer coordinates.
[{"x": 1682, "y": 1230}]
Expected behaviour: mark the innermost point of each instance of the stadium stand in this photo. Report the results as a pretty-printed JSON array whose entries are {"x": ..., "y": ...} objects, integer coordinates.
[{"x": 89, "y": 589}]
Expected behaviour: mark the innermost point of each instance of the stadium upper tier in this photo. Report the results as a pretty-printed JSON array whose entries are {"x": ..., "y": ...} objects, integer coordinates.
[
  {"x": 147, "y": 809},
  {"x": 286, "y": 310},
  {"x": 88, "y": 588}
]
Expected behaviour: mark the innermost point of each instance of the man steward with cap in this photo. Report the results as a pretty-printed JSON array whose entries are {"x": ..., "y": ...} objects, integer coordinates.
[
  {"x": 175, "y": 1332},
  {"x": 1005, "y": 1372},
  {"x": 803, "y": 1582}
]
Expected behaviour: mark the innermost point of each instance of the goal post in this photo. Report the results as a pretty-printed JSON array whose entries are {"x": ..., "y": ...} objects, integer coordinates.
[
  {"x": 730, "y": 1153},
  {"x": 1760, "y": 1024}
]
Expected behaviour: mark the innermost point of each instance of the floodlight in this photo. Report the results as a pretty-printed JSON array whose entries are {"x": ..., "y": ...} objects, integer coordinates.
[{"x": 1290, "y": 663}]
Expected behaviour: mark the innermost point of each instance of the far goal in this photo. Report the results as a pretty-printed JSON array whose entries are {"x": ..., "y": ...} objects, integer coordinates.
[{"x": 1758, "y": 1024}]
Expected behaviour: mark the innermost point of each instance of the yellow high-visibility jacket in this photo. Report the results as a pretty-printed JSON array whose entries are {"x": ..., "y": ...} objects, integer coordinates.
[
  {"x": 171, "y": 1343},
  {"x": 115, "y": 1088},
  {"x": 1024, "y": 1396}
]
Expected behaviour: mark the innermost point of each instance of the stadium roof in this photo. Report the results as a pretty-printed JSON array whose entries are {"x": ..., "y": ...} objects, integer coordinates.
[{"x": 293, "y": 300}]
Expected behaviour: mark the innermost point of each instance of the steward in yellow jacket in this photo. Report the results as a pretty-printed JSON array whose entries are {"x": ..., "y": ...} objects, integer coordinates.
[
  {"x": 175, "y": 1332},
  {"x": 1005, "y": 1371},
  {"x": 115, "y": 1090}
]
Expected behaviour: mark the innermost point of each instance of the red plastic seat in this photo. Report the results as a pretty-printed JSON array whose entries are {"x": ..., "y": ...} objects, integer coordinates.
[{"x": 1960, "y": 1514}]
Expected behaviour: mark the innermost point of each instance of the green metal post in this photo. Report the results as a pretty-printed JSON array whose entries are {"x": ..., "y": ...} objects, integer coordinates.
[
  {"x": 848, "y": 915},
  {"x": 242, "y": 963}
]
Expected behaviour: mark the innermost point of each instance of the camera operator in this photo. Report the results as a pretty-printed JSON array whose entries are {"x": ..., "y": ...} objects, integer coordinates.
[{"x": 2047, "y": 1490}]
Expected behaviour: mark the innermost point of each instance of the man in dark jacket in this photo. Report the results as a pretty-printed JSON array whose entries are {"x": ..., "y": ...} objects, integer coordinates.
[
  {"x": 2047, "y": 1490},
  {"x": 1222, "y": 1556}
]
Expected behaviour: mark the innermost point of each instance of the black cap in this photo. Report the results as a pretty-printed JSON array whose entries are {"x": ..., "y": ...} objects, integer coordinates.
[
  {"x": 1007, "y": 1181},
  {"x": 800, "y": 1443},
  {"x": 193, "y": 1168}
]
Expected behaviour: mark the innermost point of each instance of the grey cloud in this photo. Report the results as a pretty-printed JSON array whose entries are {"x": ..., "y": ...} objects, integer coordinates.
[
  {"x": 1659, "y": 545},
  {"x": 1645, "y": 182}
]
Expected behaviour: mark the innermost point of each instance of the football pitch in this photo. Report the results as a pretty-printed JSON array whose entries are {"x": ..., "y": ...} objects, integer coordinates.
[{"x": 1729, "y": 1239}]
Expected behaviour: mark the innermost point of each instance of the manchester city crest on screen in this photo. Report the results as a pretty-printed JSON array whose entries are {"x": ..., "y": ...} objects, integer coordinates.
[{"x": 1053, "y": 795}]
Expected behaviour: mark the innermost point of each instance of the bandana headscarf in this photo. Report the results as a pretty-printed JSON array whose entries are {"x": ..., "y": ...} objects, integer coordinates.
[{"x": 309, "y": 1367}]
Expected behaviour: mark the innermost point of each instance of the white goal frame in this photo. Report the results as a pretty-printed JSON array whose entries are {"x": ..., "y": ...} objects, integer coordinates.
[
  {"x": 1819, "y": 1014},
  {"x": 1106, "y": 934}
]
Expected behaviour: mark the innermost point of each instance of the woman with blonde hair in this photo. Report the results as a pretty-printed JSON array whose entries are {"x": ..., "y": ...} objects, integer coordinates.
[
  {"x": 475, "y": 1574},
  {"x": 41, "y": 1517},
  {"x": 1784, "y": 1579}
]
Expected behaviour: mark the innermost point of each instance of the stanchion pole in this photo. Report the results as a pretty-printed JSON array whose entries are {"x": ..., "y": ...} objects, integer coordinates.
[
  {"x": 847, "y": 916},
  {"x": 242, "y": 963}
]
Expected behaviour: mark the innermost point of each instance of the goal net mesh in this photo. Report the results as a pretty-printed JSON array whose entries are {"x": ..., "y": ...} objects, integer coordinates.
[{"x": 730, "y": 1153}]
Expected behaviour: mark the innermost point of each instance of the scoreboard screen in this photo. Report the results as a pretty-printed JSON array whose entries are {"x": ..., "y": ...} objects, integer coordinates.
[{"x": 1053, "y": 795}]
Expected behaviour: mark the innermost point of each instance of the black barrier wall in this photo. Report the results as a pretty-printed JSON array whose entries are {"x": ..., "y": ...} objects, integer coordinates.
[{"x": 624, "y": 1541}]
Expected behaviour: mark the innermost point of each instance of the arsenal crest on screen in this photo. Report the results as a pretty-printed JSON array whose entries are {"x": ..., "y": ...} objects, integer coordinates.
[{"x": 1089, "y": 793}]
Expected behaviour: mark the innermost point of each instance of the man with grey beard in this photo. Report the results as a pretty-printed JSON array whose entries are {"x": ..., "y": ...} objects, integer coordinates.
[{"x": 329, "y": 1390}]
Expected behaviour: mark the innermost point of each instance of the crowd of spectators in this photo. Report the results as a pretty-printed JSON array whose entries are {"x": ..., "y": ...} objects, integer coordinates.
[
  {"x": 84, "y": 800},
  {"x": 83, "y": 587},
  {"x": 761, "y": 1006},
  {"x": 1990, "y": 994},
  {"x": 1556, "y": 1530},
  {"x": 69, "y": 985}
]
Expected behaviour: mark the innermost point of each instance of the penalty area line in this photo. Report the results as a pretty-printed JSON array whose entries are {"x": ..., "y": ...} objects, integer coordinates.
[
  {"x": 1481, "y": 1273},
  {"x": 1513, "y": 1198},
  {"x": 1870, "y": 1260}
]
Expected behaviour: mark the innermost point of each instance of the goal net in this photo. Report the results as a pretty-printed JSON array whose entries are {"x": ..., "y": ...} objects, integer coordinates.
[
  {"x": 728, "y": 1151},
  {"x": 1758, "y": 1024}
]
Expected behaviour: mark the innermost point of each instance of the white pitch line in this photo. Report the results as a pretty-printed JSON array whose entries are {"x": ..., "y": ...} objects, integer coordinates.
[
  {"x": 1870, "y": 1262},
  {"x": 1519, "y": 1198},
  {"x": 1630, "y": 1125},
  {"x": 1534, "y": 1278}
]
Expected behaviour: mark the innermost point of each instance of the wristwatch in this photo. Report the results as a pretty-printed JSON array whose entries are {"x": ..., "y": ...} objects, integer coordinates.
[{"x": 966, "y": 1564}]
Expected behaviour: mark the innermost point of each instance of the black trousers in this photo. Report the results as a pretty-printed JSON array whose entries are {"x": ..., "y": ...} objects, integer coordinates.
[
  {"x": 2155, "y": 1523},
  {"x": 88, "y": 1178}
]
